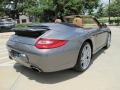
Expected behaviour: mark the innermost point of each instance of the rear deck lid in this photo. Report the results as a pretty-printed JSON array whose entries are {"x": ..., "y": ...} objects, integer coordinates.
[
  {"x": 32, "y": 31},
  {"x": 28, "y": 35}
]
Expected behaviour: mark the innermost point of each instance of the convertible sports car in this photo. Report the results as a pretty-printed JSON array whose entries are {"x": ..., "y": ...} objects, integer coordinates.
[{"x": 49, "y": 47}]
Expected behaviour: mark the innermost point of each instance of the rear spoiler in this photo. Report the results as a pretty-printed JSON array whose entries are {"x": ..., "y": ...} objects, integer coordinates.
[
  {"x": 31, "y": 28},
  {"x": 31, "y": 31}
]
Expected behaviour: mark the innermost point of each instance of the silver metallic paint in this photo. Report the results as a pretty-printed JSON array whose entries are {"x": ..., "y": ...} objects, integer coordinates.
[{"x": 50, "y": 60}]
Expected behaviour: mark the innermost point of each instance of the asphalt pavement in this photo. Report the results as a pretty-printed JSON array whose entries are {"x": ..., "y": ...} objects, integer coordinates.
[{"x": 104, "y": 73}]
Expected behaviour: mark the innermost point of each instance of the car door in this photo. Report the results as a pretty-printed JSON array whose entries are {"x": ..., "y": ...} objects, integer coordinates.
[
  {"x": 100, "y": 36},
  {"x": 99, "y": 33}
]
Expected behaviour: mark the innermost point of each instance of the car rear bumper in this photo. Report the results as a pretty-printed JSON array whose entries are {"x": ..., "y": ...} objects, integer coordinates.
[{"x": 47, "y": 60}]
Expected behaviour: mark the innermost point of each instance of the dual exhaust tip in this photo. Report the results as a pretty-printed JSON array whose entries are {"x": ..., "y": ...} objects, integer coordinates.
[{"x": 34, "y": 68}]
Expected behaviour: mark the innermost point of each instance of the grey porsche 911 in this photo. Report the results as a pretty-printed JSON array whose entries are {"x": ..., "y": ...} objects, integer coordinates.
[{"x": 50, "y": 47}]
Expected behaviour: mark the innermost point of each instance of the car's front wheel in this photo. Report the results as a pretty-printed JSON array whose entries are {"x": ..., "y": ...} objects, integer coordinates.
[{"x": 84, "y": 58}]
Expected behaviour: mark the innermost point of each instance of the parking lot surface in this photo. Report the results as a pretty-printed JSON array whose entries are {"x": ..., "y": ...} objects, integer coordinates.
[{"x": 104, "y": 73}]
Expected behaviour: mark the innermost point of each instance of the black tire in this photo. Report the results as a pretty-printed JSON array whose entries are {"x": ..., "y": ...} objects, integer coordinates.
[
  {"x": 78, "y": 66},
  {"x": 108, "y": 43}
]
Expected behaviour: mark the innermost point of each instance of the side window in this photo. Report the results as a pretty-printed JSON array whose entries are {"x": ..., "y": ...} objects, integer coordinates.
[{"x": 89, "y": 23}]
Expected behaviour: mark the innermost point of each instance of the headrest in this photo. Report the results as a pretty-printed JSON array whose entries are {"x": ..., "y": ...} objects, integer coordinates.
[
  {"x": 78, "y": 22},
  {"x": 58, "y": 21}
]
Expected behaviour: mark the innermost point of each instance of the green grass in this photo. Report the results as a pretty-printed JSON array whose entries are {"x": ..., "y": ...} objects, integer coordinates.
[
  {"x": 105, "y": 19},
  {"x": 23, "y": 24}
]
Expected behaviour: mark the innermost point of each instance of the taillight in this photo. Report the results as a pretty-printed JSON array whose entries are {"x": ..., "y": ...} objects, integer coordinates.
[{"x": 43, "y": 43}]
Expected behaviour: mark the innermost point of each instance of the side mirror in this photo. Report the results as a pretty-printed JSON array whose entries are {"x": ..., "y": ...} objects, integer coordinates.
[{"x": 103, "y": 25}]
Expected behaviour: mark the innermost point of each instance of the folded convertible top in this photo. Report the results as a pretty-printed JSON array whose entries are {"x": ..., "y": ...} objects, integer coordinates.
[
  {"x": 31, "y": 28},
  {"x": 32, "y": 31}
]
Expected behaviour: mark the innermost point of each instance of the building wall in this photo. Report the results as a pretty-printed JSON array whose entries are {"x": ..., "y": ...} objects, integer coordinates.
[{"x": 24, "y": 19}]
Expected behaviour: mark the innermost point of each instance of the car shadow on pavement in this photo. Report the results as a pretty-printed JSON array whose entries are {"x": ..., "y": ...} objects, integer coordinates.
[
  {"x": 51, "y": 78},
  {"x": 46, "y": 78}
]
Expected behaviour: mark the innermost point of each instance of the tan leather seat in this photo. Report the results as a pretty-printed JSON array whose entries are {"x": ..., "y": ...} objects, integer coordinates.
[
  {"x": 78, "y": 22},
  {"x": 58, "y": 21}
]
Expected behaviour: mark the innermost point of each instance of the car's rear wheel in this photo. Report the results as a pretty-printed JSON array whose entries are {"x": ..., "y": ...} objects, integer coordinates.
[
  {"x": 84, "y": 58},
  {"x": 108, "y": 41}
]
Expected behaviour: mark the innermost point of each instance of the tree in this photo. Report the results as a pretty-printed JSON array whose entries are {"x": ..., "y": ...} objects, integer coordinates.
[
  {"x": 56, "y": 8},
  {"x": 1, "y": 8},
  {"x": 69, "y": 7},
  {"x": 101, "y": 11},
  {"x": 89, "y": 6},
  {"x": 115, "y": 10},
  {"x": 40, "y": 9},
  {"x": 73, "y": 7}
]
